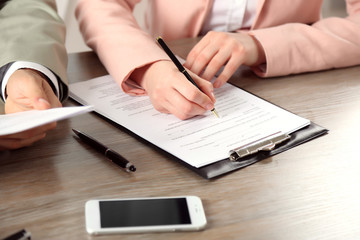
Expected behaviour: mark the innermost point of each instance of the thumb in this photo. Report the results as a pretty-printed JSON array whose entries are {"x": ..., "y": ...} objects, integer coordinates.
[
  {"x": 205, "y": 86},
  {"x": 40, "y": 103}
]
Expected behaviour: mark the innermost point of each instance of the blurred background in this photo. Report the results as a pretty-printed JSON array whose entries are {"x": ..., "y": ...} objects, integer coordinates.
[{"x": 75, "y": 43}]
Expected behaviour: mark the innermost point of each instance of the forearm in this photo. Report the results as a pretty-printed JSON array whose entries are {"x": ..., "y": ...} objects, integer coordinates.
[
  {"x": 111, "y": 30},
  {"x": 33, "y": 32},
  {"x": 295, "y": 48}
]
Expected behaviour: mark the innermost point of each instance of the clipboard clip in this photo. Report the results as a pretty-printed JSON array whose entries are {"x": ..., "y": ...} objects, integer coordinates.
[{"x": 264, "y": 144}]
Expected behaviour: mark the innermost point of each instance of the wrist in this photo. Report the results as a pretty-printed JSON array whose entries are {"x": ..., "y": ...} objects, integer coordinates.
[
  {"x": 143, "y": 74},
  {"x": 138, "y": 75},
  {"x": 261, "y": 58}
]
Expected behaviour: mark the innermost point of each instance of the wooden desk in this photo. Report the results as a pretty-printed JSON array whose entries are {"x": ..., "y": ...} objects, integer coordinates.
[{"x": 309, "y": 192}]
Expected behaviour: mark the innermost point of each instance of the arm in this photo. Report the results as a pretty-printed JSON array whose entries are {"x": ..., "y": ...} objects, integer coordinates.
[
  {"x": 295, "y": 48},
  {"x": 111, "y": 30},
  {"x": 288, "y": 48},
  {"x": 32, "y": 33},
  {"x": 127, "y": 51}
]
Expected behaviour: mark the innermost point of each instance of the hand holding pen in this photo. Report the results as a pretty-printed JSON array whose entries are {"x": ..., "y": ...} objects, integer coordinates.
[
  {"x": 170, "y": 91},
  {"x": 180, "y": 67}
]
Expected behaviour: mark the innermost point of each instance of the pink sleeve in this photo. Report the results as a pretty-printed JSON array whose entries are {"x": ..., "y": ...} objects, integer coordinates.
[
  {"x": 294, "y": 48},
  {"x": 111, "y": 30}
]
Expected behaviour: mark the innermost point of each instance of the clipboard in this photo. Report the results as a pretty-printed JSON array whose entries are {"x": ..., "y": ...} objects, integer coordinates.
[
  {"x": 259, "y": 144},
  {"x": 226, "y": 166}
]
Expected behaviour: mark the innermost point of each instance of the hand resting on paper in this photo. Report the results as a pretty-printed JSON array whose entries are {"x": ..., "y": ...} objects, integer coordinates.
[{"x": 26, "y": 90}]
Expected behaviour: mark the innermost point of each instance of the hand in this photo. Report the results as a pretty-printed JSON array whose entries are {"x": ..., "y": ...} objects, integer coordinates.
[
  {"x": 27, "y": 90},
  {"x": 25, "y": 138},
  {"x": 217, "y": 49},
  {"x": 171, "y": 92}
]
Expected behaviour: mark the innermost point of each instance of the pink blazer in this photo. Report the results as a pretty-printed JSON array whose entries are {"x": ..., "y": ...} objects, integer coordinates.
[{"x": 292, "y": 33}]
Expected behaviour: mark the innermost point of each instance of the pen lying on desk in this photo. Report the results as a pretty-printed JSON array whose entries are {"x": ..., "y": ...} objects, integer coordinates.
[
  {"x": 180, "y": 67},
  {"x": 109, "y": 153},
  {"x": 20, "y": 235}
]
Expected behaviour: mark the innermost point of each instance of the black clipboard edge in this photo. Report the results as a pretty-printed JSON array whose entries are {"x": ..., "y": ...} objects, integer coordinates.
[{"x": 225, "y": 166}]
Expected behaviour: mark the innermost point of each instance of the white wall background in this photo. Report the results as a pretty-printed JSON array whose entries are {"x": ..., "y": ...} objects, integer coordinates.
[{"x": 75, "y": 43}]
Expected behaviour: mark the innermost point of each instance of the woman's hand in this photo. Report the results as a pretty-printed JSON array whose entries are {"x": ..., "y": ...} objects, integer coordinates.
[
  {"x": 218, "y": 49},
  {"x": 171, "y": 92}
]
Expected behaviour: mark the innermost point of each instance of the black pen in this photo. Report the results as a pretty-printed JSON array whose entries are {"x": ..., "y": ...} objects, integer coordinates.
[
  {"x": 180, "y": 66},
  {"x": 109, "y": 153},
  {"x": 20, "y": 235}
]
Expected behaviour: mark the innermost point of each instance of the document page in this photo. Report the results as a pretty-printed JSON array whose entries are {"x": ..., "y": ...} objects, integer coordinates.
[
  {"x": 21, "y": 121},
  {"x": 201, "y": 140}
]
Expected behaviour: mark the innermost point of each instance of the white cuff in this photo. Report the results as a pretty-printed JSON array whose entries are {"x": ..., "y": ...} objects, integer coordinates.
[{"x": 23, "y": 64}]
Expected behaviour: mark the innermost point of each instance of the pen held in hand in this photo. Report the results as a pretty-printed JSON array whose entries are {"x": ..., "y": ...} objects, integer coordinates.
[
  {"x": 180, "y": 67},
  {"x": 109, "y": 153}
]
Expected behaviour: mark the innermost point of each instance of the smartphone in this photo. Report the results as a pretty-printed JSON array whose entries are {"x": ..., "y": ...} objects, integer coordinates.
[{"x": 135, "y": 215}]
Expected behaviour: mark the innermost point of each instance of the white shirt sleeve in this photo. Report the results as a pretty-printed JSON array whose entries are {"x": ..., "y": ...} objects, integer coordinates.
[{"x": 23, "y": 64}]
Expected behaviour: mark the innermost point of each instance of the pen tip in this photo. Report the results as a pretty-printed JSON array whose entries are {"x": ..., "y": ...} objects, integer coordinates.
[
  {"x": 215, "y": 113},
  {"x": 132, "y": 168},
  {"x": 75, "y": 131}
]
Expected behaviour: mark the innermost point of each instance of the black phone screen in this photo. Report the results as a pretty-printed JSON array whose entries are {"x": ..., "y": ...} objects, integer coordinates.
[{"x": 144, "y": 212}]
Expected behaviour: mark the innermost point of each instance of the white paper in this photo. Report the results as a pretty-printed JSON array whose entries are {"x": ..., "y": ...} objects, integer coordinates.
[
  {"x": 21, "y": 121},
  {"x": 201, "y": 140}
]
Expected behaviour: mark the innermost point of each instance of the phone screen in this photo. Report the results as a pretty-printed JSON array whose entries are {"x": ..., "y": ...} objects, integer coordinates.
[{"x": 144, "y": 212}]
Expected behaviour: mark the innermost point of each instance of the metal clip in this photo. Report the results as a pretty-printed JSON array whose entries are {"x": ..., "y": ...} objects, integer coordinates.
[{"x": 252, "y": 148}]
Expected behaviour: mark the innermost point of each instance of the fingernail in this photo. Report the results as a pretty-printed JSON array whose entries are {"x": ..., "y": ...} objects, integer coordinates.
[
  {"x": 209, "y": 107},
  {"x": 43, "y": 100}
]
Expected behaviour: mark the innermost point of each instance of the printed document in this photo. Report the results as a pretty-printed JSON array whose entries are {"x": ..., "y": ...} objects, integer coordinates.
[
  {"x": 21, "y": 121},
  {"x": 201, "y": 140}
]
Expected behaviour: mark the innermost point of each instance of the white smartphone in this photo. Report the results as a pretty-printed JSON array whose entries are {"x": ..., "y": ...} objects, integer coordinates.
[{"x": 132, "y": 215}]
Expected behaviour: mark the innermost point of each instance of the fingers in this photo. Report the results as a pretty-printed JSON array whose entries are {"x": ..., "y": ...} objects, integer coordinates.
[
  {"x": 50, "y": 95},
  {"x": 24, "y": 88},
  {"x": 25, "y": 138},
  {"x": 200, "y": 56},
  {"x": 206, "y": 87},
  {"x": 231, "y": 66},
  {"x": 171, "y": 92},
  {"x": 27, "y": 90},
  {"x": 41, "y": 104},
  {"x": 202, "y": 53},
  {"x": 16, "y": 143},
  {"x": 218, "y": 49},
  {"x": 203, "y": 97},
  {"x": 179, "y": 106},
  {"x": 42, "y": 95},
  {"x": 183, "y": 99},
  {"x": 50, "y": 100},
  {"x": 31, "y": 132}
]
